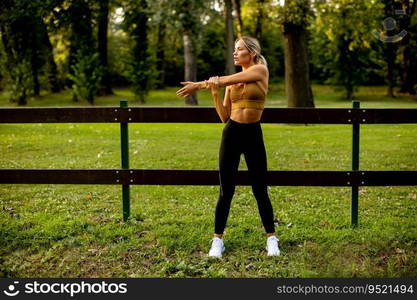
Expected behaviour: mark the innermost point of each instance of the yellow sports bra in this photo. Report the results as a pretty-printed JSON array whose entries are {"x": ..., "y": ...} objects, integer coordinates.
[{"x": 247, "y": 95}]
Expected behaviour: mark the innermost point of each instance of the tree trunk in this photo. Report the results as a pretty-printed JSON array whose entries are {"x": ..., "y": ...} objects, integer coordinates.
[
  {"x": 190, "y": 64},
  {"x": 259, "y": 18},
  {"x": 1, "y": 73},
  {"x": 408, "y": 77},
  {"x": 297, "y": 79},
  {"x": 160, "y": 55},
  {"x": 34, "y": 59},
  {"x": 81, "y": 36},
  {"x": 390, "y": 52},
  {"x": 51, "y": 68},
  {"x": 236, "y": 4},
  {"x": 103, "y": 21},
  {"x": 230, "y": 66},
  {"x": 140, "y": 63},
  {"x": 407, "y": 82}
]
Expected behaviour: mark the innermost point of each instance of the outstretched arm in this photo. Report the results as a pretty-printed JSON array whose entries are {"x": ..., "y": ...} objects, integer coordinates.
[
  {"x": 191, "y": 87},
  {"x": 254, "y": 73}
]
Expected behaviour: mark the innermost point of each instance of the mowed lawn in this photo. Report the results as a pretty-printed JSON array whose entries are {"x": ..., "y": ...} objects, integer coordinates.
[{"x": 77, "y": 230}]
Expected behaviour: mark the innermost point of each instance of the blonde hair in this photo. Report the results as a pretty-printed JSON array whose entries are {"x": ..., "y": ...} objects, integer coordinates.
[{"x": 252, "y": 45}]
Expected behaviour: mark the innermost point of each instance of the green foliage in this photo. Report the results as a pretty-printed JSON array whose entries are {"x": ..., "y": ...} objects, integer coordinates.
[
  {"x": 211, "y": 58},
  {"x": 21, "y": 81},
  {"x": 206, "y": 29},
  {"x": 136, "y": 25},
  {"x": 271, "y": 42},
  {"x": 342, "y": 43},
  {"x": 342, "y": 49},
  {"x": 17, "y": 35},
  {"x": 189, "y": 12},
  {"x": 139, "y": 73},
  {"x": 86, "y": 76},
  {"x": 296, "y": 12},
  {"x": 273, "y": 50}
]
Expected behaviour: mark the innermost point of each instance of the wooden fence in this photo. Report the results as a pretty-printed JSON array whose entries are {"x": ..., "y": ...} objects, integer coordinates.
[{"x": 125, "y": 176}]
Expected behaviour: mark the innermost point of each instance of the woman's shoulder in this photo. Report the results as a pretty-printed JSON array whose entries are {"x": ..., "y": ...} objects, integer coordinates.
[{"x": 258, "y": 67}]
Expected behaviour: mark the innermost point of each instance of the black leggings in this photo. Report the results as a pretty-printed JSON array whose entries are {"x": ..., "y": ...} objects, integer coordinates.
[{"x": 243, "y": 138}]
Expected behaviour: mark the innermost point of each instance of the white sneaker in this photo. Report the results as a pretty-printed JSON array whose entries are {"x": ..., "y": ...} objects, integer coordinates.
[
  {"x": 272, "y": 246},
  {"x": 217, "y": 247}
]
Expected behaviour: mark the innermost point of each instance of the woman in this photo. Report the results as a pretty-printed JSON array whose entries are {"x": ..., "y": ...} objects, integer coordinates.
[{"x": 241, "y": 110}]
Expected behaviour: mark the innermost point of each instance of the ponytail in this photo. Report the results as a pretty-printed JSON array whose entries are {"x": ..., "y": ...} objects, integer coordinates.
[{"x": 260, "y": 59}]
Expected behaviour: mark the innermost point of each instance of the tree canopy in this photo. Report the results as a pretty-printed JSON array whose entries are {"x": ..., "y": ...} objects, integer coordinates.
[{"x": 88, "y": 46}]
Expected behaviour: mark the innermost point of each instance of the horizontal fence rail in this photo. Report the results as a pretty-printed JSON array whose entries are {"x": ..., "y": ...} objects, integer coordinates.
[
  {"x": 205, "y": 177},
  {"x": 125, "y": 176},
  {"x": 205, "y": 115}
]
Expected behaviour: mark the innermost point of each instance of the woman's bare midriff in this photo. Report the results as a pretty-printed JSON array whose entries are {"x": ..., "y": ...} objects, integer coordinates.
[{"x": 246, "y": 115}]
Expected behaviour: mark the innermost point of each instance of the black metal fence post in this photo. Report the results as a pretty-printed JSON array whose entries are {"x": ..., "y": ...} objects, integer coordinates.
[
  {"x": 124, "y": 144},
  {"x": 355, "y": 164}
]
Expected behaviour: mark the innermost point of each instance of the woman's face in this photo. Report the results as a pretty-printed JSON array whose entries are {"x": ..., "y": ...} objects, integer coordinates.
[{"x": 241, "y": 55}]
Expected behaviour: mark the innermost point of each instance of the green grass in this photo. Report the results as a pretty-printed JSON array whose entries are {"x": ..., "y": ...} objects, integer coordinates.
[{"x": 76, "y": 230}]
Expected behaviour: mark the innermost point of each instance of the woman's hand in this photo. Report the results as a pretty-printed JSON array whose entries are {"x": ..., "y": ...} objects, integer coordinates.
[
  {"x": 213, "y": 84},
  {"x": 188, "y": 88}
]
